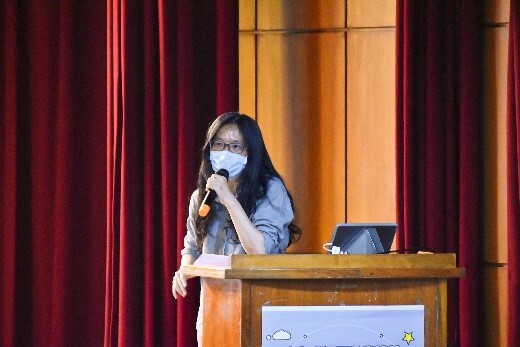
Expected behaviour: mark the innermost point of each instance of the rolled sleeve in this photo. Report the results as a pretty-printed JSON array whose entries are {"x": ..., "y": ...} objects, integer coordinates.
[
  {"x": 190, "y": 240},
  {"x": 273, "y": 216}
]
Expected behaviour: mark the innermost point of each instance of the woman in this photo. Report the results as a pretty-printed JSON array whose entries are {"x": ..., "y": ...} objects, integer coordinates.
[{"x": 253, "y": 212}]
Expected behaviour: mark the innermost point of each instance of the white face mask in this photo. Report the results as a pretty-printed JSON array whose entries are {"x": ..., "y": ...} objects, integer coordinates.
[{"x": 234, "y": 163}]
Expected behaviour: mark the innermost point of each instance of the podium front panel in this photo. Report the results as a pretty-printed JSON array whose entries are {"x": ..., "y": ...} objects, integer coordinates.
[{"x": 233, "y": 308}]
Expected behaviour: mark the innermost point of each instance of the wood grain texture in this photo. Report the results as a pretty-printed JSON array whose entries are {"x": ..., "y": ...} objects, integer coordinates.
[
  {"x": 371, "y": 165},
  {"x": 495, "y": 305},
  {"x": 310, "y": 261},
  {"x": 301, "y": 111},
  {"x": 371, "y": 13},
  {"x": 222, "y": 312},
  {"x": 298, "y": 266},
  {"x": 496, "y": 11},
  {"x": 300, "y": 14},
  {"x": 494, "y": 146}
]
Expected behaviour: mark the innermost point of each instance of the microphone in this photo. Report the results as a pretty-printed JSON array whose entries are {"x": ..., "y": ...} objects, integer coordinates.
[{"x": 205, "y": 206}]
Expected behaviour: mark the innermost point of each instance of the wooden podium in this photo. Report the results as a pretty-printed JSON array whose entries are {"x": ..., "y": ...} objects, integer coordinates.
[{"x": 236, "y": 288}]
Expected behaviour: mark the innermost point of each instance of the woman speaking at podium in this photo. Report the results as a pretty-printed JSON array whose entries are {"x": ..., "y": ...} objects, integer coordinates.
[{"x": 241, "y": 204}]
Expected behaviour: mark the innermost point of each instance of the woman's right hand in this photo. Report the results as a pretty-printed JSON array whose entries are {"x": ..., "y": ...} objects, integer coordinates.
[{"x": 179, "y": 284}]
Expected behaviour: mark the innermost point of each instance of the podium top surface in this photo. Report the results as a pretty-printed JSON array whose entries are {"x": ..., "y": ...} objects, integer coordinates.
[{"x": 325, "y": 266}]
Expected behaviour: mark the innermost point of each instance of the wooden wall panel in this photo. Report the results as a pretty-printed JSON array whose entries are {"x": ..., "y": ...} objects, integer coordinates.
[
  {"x": 301, "y": 109},
  {"x": 371, "y": 125},
  {"x": 495, "y": 307},
  {"x": 300, "y": 14},
  {"x": 294, "y": 85},
  {"x": 371, "y": 13},
  {"x": 496, "y": 11},
  {"x": 247, "y": 73},
  {"x": 247, "y": 15},
  {"x": 494, "y": 168},
  {"x": 300, "y": 92}
]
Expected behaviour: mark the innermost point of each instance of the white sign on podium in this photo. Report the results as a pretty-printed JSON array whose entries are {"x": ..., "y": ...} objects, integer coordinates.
[{"x": 346, "y": 326}]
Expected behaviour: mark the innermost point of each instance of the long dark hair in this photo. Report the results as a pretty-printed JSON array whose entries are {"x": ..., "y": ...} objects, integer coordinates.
[{"x": 253, "y": 180}]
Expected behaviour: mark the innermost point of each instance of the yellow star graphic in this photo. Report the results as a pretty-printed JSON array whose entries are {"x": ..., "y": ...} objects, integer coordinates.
[{"x": 408, "y": 337}]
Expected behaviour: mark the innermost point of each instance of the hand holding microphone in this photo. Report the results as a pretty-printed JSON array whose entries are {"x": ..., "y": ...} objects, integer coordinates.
[{"x": 208, "y": 200}]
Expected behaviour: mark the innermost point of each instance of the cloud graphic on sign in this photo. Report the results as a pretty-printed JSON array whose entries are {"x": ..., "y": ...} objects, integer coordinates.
[{"x": 281, "y": 335}]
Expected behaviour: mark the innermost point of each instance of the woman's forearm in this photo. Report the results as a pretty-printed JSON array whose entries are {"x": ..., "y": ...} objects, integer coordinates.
[
  {"x": 187, "y": 259},
  {"x": 251, "y": 238}
]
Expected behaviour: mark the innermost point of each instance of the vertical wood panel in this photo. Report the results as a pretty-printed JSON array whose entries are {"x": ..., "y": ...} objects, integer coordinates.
[
  {"x": 495, "y": 306},
  {"x": 300, "y": 14},
  {"x": 371, "y": 125},
  {"x": 215, "y": 292},
  {"x": 496, "y": 11},
  {"x": 371, "y": 13},
  {"x": 247, "y": 15},
  {"x": 301, "y": 110},
  {"x": 494, "y": 169},
  {"x": 494, "y": 145},
  {"x": 247, "y": 73}
]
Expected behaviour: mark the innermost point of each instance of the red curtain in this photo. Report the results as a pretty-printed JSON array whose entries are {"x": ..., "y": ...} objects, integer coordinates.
[
  {"x": 437, "y": 110},
  {"x": 52, "y": 172},
  {"x": 172, "y": 67},
  {"x": 513, "y": 174},
  {"x": 104, "y": 110}
]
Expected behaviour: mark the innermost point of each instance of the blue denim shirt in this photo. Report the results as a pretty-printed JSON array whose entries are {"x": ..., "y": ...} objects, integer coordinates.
[{"x": 272, "y": 217}]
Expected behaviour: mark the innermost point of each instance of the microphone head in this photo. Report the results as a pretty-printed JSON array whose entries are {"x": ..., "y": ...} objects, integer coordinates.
[
  {"x": 204, "y": 210},
  {"x": 223, "y": 172}
]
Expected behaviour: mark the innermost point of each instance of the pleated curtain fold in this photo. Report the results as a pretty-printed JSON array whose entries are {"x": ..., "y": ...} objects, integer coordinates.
[
  {"x": 172, "y": 68},
  {"x": 437, "y": 144}
]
